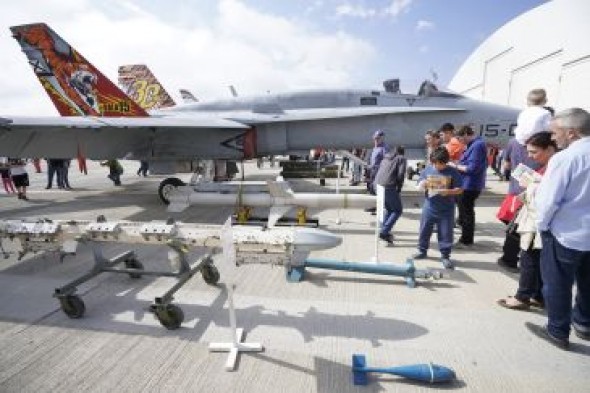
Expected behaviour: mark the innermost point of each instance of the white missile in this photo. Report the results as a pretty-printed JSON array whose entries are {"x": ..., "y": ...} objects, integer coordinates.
[
  {"x": 280, "y": 198},
  {"x": 17, "y": 236}
]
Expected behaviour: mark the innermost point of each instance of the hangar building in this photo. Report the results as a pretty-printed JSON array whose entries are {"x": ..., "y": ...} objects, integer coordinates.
[{"x": 547, "y": 47}]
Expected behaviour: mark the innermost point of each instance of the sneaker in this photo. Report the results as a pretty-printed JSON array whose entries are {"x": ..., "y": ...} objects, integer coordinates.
[
  {"x": 447, "y": 263},
  {"x": 543, "y": 333},
  {"x": 581, "y": 332},
  {"x": 386, "y": 237},
  {"x": 419, "y": 255}
]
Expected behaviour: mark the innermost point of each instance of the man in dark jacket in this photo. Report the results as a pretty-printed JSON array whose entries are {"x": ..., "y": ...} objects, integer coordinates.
[
  {"x": 391, "y": 175},
  {"x": 472, "y": 166}
]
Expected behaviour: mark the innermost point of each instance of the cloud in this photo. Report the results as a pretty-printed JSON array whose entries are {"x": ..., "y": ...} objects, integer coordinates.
[
  {"x": 425, "y": 25},
  {"x": 356, "y": 11},
  {"x": 236, "y": 45},
  {"x": 424, "y": 49},
  {"x": 395, "y": 8}
]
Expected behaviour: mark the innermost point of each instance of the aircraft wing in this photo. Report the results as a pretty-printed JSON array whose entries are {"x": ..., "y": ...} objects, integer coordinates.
[
  {"x": 205, "y": 135},
  {"x": 102, "y": 138}
]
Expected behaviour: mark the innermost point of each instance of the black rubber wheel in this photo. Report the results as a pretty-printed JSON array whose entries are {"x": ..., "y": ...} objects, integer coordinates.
[
  {"x": 411, "y": 173},
  {"x": 72, "y": 306},
  {"x": 210, "y": 274},
  {"x": 166, "y": 186},
  {"x": 170, "y": 316},
  {"x": 134, "y": 264}
]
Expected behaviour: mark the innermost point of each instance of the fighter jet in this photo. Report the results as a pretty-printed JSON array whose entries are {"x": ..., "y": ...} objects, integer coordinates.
[{"x": 113, "y": 125}]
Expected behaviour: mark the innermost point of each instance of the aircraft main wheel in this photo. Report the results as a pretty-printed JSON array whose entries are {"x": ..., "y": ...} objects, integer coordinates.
[
  {"x": 170, "y": 316},
  {"x": 72, "y": 306},
  {"x": 167, "y": 186},
  {"x": 210, "y": 274},
  {"x": 134, "y": 264}
]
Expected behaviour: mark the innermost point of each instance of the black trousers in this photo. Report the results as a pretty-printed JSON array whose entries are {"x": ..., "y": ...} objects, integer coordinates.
[
  {"x": 530, "y": 283},
  {"x": 467, "y": 215},
  {"x": 511, "y": 249}
]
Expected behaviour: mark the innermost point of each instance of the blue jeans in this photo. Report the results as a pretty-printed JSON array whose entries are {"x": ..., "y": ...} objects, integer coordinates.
[
  {"x": 444, "y": 222},
  {"x": 560, "y": 266},
  {"x": 393, "y": 209}
]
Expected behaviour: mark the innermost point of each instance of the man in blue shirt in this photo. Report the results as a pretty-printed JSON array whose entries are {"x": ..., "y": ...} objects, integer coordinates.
[
  {"x": 472, "y": 166},
  {"x": 563, "y": 218}
]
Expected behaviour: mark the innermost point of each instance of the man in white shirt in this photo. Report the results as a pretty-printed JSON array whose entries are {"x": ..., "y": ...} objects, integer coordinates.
[{"x": 563, "y": 206}]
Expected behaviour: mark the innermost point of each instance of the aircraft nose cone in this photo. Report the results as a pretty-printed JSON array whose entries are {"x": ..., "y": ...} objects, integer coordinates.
[{"x": 309, "y": 239}]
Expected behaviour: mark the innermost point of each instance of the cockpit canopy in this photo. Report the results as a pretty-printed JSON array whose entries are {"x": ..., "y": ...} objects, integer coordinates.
[{"x": 429, "y": 89}]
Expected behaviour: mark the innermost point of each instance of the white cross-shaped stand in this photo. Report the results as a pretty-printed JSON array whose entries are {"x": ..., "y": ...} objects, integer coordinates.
[{"x": 236, "y": 346}]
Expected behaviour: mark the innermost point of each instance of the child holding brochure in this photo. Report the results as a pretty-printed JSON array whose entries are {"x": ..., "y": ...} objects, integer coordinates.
[{"x": 441, "y": 183}]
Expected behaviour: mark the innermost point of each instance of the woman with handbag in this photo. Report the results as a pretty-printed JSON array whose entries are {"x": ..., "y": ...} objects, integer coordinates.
[{"x": 540, "y": 148}]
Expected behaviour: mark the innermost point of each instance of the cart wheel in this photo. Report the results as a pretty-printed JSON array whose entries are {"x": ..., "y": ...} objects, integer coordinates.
[
  {"x": 134, "y": 264},
  {"x": 72, "y": 306},
  {"x": 210, "y": 274},
  {"x": 170, "y": 316},
  {"x": 167, "y": 186}
]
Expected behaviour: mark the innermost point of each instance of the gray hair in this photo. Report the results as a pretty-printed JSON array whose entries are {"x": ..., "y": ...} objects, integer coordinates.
[{"x": 574, "y": 118}]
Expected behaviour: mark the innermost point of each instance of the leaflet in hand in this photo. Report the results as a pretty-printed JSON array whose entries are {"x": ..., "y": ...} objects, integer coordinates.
[{"x": 525, "y": 175}]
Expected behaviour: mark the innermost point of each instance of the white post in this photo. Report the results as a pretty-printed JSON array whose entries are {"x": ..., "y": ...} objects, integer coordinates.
[
  {"x": 338, "y": 220},
  {"x": 379, "y": 217},
  {"x": 236, "y": 345}
]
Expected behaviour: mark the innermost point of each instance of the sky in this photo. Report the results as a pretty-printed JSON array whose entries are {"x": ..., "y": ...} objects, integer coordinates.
[{"x": 258, "y": 46}]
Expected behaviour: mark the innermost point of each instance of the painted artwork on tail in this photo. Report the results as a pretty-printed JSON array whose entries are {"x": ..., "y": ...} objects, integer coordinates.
[
  {"x": 140, "y": 84},
  {"x": 74, "y": 85}
]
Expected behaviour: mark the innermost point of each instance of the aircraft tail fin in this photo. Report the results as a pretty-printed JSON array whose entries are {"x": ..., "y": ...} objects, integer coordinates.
[
  {"x": 138, "y": 82},
  {"x": 187, "y": 96},
  {"x": 74, "y": 85}
]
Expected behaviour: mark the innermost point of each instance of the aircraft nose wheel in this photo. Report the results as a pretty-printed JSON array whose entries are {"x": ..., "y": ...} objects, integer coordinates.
[
  {"x": 167, "y": 186},
  {"x": 170, "y": 316},
  {"x": 210, "y": 274},
  {"x": 72, "y": 306}
]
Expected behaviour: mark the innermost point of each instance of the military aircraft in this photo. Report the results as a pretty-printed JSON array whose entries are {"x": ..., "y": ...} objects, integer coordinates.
[{"x": 113, "y": 125}]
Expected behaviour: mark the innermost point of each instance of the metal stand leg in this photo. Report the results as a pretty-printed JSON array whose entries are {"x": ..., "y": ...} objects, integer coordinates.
[{"x": 236, "y": 346}]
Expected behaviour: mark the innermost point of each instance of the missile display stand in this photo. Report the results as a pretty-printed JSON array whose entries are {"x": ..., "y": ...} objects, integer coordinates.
[
  {"x": 237, "y": 334},
  {"x": 250, "y": 244},
  {"x": 50, "y": 236}
]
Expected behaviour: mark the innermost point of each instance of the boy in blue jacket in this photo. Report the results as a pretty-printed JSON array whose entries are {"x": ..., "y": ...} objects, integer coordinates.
[{"x": 441, "y": 183}]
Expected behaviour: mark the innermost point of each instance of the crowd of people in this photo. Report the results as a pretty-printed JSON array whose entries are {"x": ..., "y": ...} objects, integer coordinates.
[
  {"x": 15, "y": 178},
  {"x": 546, "y": 209}
]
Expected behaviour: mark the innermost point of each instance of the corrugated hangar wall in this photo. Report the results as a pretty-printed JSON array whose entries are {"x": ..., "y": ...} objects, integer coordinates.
[{"x": 547, "y": 47}]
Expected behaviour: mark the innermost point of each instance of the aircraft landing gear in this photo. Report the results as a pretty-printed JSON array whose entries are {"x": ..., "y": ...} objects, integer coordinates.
[{"x": 167, "y": 186}]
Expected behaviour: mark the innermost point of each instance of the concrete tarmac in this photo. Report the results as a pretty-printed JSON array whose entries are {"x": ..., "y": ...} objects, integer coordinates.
[{"x": 309, "y": 330}]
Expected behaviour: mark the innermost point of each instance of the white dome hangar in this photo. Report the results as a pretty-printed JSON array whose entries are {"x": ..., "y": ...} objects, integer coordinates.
[{"x": 547, "y": 47}]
